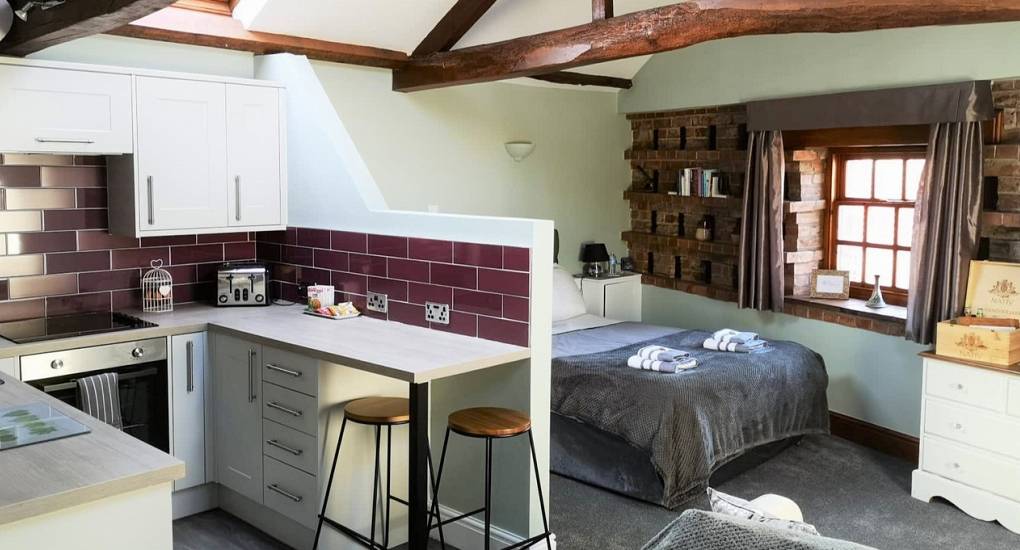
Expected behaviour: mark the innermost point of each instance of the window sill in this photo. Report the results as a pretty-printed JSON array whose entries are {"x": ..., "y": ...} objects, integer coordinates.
[{"x": 889, "y": 320}]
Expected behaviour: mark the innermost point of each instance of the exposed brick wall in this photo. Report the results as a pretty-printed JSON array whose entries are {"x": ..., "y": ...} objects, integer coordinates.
[
  {"x": 1002, "y": 170},
  {"x": 56, "y": 256},
  {"x": 807, "y": 181},
  {"x": 487, "y": 286}
]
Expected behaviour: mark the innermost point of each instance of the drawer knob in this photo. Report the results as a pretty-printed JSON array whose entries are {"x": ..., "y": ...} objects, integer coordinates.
[
  {"x": 957, "y": 387},
  {"x": 957, "y": 426}
]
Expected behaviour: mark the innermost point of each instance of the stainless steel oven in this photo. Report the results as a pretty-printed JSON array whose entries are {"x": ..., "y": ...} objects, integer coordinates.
[{"x": 143, "y": 376}]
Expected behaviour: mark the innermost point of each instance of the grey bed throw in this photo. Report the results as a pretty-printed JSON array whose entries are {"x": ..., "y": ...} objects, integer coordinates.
[
  {"x": 695, "y": 421},
  {"x": 698, "y": 530}
]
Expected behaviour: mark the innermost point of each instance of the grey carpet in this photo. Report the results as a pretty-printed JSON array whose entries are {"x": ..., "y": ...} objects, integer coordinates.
[{"x": 845, "y": 490}]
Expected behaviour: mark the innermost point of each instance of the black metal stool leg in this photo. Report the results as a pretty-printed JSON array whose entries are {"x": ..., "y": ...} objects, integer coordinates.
[
  {"x": 375, "y": 487},
  {"x": 488, "y": 490},
  {"x": 538, "y": 481},
  {"x": 389, "y": 494},
  {"x": 434, "y": 509},
  {"x": 439, "y": 520},
  {"x": 329, "y": 484}
]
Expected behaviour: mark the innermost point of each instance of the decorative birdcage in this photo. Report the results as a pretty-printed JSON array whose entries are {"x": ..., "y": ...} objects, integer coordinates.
[{"x": 157, "y": 289}]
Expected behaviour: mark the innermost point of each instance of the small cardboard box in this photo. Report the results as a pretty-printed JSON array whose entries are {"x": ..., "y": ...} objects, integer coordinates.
[
  {"x": 993, "y": 290},
  {"x": 320, "y": 296}
]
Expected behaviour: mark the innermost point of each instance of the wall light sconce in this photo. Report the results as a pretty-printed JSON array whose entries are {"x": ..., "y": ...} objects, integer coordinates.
[{"x": 519, "y": 150}]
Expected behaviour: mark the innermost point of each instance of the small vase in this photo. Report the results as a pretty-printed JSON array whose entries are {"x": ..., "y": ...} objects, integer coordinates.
[{"x": 876, "y": 301}]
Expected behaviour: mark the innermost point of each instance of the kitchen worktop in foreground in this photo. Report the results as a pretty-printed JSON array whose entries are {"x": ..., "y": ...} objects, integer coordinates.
[
  {"x": 54, "y": 475},
  {"x": 396, "y": 350}
]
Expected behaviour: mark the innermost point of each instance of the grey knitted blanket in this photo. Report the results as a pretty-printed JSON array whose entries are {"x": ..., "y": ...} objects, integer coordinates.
[{"x": 695, "y": 421}]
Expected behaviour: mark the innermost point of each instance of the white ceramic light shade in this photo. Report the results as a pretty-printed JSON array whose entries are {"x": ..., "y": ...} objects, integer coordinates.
[
  {"x": 6, "y": 18},
  {"x": 518, "y": 150}
]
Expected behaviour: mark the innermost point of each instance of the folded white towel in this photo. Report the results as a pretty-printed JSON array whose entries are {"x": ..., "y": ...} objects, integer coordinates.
[
  {"x": 751, "y": 346},
  {"x": 662, "y": 353},
  {"x": 730, "y": 335},
  {"x": 636, "y": 362}
]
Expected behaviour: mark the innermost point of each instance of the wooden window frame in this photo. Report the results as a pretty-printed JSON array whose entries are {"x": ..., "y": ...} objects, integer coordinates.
[{"x": 840, "y": 156}]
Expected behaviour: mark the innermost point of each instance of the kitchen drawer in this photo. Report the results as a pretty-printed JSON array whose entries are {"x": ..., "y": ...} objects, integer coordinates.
[
  {"x": 291, "y": 492},
  {"x": 970, "y": 385},
  {"x": 989, "y": 431},
  {"x": 972, "y": 467},
  {"x": 290, "y": 370},
  {"x": 290, "y": 408},
  {"x": 290, "y": 446},
  {"x": 1013, "y": 407}
]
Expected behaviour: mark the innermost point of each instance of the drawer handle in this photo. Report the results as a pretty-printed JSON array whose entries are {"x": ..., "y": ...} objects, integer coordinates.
[
  {"x": 288, "y": 372},
  {"x": 282, "y": 447},
  {"x": 276, "y": 489},
  {"x": 52, "y": 140},
  {"x": 279, "y": 407},
  {"x": 957, "y": 426},
  {"x": 954, "y": 465},
  {"x": 957, "y": 386}
]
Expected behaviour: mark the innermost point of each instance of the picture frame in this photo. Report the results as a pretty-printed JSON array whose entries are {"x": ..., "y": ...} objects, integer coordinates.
[{"x": 831, "y": 284}]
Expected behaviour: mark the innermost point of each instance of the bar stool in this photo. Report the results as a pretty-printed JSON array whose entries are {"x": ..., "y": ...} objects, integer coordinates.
[
  {"x": 378, "y": 412},
  {"x": 489, "y": 423}
]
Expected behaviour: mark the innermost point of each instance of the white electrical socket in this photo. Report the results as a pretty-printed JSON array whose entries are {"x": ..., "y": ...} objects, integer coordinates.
[
  {"x": 437, "y": 313},
  {"x": 377, "y": 302}
]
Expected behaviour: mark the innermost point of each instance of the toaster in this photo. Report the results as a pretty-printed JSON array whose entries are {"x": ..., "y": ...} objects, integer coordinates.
[{"x": 242, "y": 284}]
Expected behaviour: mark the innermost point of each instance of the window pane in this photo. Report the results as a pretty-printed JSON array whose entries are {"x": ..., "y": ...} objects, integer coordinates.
[
  {"x": 851, "y": 223},
  {"x": 880, "y": 224},
  {"x": 878, "y": 261},
  {"x": 915, "y": 169},
  {"x": 905, "y": 227},
  {"x": 903, "y": 269},
  {"x": 858, "y": 179},
  {"x": 849, "y": 258},
  {"x": 889, "y": 179}
]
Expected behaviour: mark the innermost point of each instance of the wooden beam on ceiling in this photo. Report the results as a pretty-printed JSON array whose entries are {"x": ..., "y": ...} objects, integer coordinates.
[
  {"x": 453, "y": 26},
  {"x": 680, "y": 25},
  {"x": 72, "y": 20},
  {"x": 581, "y": 79},
  {"x": 201, "y": 28},
  {"x": 601, "y": 9},
  {"x": 221, "y": 7}
]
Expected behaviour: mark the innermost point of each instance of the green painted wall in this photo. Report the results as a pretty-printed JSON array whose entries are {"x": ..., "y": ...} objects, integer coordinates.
[{"x": 755, "y": 67}]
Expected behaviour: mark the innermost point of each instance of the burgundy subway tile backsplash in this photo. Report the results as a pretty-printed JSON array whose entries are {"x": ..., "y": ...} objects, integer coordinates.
[
  {"x": 105, "y": 269},
  {"x": 486, "y": 286},
  {"x": 430, "y": 249},
  {"x": 483, "y": 255}
]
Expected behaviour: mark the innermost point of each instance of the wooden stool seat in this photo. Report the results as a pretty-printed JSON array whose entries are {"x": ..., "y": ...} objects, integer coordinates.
[
  {"x": 379, "y": 411},
  {"x": 489, "y": 422}
]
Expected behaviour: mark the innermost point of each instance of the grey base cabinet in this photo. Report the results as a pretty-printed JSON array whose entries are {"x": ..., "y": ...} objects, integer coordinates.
[{"x": 237, "y": 414}]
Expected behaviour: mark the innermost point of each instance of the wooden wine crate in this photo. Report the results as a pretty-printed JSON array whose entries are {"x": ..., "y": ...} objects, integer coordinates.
[{"x": 993, "y": 290}]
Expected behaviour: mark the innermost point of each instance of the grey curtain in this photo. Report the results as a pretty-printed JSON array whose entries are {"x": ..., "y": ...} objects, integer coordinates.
[
  {"x": 945, "y": 227},
  {"x": 761, "y": 259}
]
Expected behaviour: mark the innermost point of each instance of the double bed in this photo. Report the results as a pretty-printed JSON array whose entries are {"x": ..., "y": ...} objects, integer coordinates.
[{"x": 660, "y": 437}]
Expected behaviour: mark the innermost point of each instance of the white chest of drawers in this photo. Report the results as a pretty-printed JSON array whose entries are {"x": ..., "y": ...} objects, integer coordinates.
[{"x": 970, "y": 440}]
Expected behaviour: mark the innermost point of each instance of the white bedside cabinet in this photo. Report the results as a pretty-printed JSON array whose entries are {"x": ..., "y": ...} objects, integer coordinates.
[
  {"x": 613, "y": 297},
  {"x": 970, "y": 439}
]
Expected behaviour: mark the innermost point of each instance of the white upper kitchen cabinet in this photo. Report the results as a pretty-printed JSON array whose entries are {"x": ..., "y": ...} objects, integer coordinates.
[
  {"x": 55, "y": 110},
  {"x": 188, "y": 371},
  {"x": 255, "y": 165},
  {"x": 181, "y": 155}
]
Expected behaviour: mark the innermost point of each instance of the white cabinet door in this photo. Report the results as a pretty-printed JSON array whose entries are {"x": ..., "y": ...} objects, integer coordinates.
[
  {"x": 237, "y": 409},
  {"x": 254, "y": 155},
  {"x": 10, "y": 366},
  {"x": 623, "y": 299},
  {"x": 187, "y": 353},
  {"x": 181, "y": 154},
  {"x": 61, "y": 111}
]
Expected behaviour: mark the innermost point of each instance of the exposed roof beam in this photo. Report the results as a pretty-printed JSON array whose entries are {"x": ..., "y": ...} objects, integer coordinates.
[
  {"x": 221, "y": 7},
  {"x": 601, "y": 9},
  {"x": 581, "y": 79},
  {"x": 72, "y": 20},
  {"x": 681, "y": 25},
  {"x": 453, "y": 26},
  {"x": 201, "y": 28}
]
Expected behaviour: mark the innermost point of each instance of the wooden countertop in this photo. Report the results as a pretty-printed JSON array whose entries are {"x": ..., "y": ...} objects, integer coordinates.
[
  {"x": 53, "y": 475},
  {"x": 391, "y": 349}
]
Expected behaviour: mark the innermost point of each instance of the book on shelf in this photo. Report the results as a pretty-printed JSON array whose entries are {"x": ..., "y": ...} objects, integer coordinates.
[{"x": 701, "y": 182}]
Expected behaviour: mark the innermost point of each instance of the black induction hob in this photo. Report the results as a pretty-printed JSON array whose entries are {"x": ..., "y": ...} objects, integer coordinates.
[{"x": 66, "y": 326}]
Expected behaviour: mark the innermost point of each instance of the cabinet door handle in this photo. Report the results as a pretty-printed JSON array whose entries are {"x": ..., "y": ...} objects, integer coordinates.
[
  {"x": 282, "y": 447},
  {"x": 237, "y": 198},
  {"x": 251, "y": 376},
  {"x": 281, "y": 408},
  {"x": 53, "y": 140},
  {"x": 152, "y": 210},
  {"x": 288, "y": 372},
  {"x": 276, "y": 489},
  {"x": 190, "y": 346}
]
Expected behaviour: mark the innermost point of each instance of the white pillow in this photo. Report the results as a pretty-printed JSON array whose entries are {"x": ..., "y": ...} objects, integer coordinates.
[
  {"x": 566, "y": 297},
  {"x": 740, "y": 508}
]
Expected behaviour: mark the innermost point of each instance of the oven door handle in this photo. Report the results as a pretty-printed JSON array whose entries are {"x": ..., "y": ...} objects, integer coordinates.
[{"x": 73, "y": 383}]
